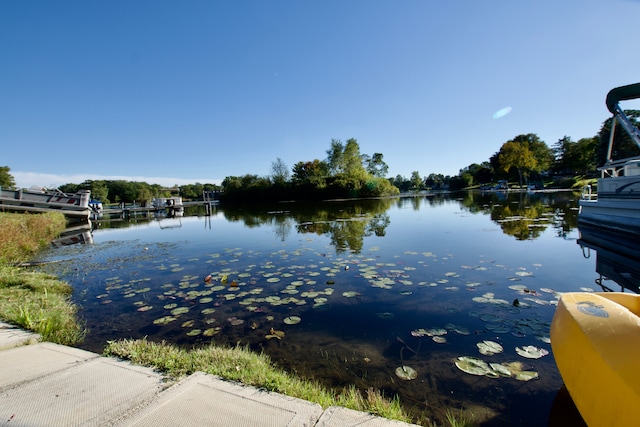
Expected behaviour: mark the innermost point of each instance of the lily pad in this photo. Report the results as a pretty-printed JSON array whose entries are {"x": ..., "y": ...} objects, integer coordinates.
[
  {"x": 164, "y": 320},
  {"x": 531, "y": 352},
  {"x": 235, "y": 322},
  {"x": 406, "y": 373},
  {"x": 500, "y": 369},
  {"x": 292, "y": 320},
  {"x": 489, "y": 348},
  {"x": 472, "y": 366},
  {"x": 273, "y": 333},
  {"x": 211, "y": 332},
  {"x": 526, "y": 375},
  {"x": 350, "y": 294},
  {"x": 180, "y": 310}
]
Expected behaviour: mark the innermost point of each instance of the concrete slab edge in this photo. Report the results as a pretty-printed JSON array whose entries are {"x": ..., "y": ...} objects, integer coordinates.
[
  {"x": 14, "y": 336},
  {"x": 305, "y": 413}
]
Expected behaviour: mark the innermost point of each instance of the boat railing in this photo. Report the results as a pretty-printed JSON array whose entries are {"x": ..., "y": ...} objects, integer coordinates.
[
  {"x": 587, "y": 194},
  {"x": 621, "y": 167}
]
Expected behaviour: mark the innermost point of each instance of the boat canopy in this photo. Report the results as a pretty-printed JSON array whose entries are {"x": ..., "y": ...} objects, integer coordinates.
[{"x": 623, "y": 93}]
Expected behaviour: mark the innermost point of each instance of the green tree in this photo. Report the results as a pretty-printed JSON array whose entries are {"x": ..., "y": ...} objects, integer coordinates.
[
  {"x": 575, "y": 157},
  {"x": 561, "y": 155},
  {"x": 518, "y": 156},
  {"x": 335, "y": 157},
  {"x": 314, "y": 173},
  {"x": 100, "y": 191},
  {"x": 525, "y": 153},
  {"x": 6, "y": 179},
  {"x": 402, "y": 183},
  {"x": 583, "y": 155},
  {"x": 435, "y": 181},
  {"x": 376, "y": 166},
  {"x": 541, "y": 152},
  {"x": 352, "y": 165},
  {"x": 416, "y": 181},
  {"x": 476, "y": 174},
  {"x": 279, "y": 172},
  {"x": 192, "y": 191},
  {"x": 123, "y": 191}
]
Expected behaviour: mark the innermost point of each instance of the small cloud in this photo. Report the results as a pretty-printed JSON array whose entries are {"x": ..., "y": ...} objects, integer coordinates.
[{"x": 501, "y": 113}]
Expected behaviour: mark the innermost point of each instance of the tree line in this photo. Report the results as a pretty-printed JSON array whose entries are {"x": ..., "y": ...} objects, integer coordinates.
[
  {"x": 526, "y": 158},
  {"x": 347, "y": 173}
]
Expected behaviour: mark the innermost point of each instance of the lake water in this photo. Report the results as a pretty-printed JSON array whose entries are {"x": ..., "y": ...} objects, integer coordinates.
[{"x": 359, "y": 289}]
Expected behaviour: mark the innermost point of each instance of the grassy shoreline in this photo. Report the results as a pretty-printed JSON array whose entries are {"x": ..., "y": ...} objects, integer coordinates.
[{"x": 33, "y": 300}]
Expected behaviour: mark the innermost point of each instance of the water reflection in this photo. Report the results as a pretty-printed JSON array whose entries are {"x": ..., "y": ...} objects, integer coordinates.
[
  {"x": 78, "y": 233},
  {"x": 345, "y": 223},
  {"x": 617, "y": 259},
  {"x": 526, "y": 215}
]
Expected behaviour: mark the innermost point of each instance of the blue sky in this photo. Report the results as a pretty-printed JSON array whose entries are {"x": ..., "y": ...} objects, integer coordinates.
[{"x": 175, "y": 92}]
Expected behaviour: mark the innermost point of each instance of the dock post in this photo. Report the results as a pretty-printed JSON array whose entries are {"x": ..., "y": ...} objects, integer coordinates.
[{"x": 206, "y": 196}]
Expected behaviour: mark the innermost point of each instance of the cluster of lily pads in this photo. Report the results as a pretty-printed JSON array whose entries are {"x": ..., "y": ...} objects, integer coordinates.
[
  {"x": 437, "y": 334},
  {"x": 474, "y": 366},
  {"x": 190, "y": 301},
  {"x": 293, "y": 285}
]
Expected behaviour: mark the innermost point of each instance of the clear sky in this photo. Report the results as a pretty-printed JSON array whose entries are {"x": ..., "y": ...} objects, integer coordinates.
[{"x": 175, "y": 92}]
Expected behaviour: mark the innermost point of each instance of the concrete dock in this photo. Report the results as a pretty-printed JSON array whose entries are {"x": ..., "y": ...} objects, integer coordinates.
[{"x": 46, "y": 384}]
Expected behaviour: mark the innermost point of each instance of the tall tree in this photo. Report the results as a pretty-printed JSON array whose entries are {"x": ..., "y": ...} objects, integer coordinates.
[
  {"x": 518, "y": 156},
  {"x": 6, "y": 179},
  {"x": 542, "y": 154},
  {"x": 279, "y": 172},
  {"x": 376, "y": 166},
  {"x": 416, "y": 181},
  {"x": 561, "y": 154},
  {"x": 352, "y": 165},
  {"x": 335, "y": 157}
]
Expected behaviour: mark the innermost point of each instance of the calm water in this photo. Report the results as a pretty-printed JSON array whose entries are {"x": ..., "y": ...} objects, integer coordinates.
[{"x": 359, "y": 277}]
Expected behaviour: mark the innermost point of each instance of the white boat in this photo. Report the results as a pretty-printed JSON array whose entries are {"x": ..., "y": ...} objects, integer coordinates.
[
  {"x": 39, "y": 199},
  {"x": 617, "y": 203},
  {"x": 167, "y": 202}
]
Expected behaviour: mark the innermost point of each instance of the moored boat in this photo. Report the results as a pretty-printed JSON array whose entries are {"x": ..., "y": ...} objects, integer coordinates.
[
  {"x": 617, "y": 203},
  {"x": 38, "y": 199},
  {"x": 595, "y": 339},
  {"x": 174, "y": 202}
]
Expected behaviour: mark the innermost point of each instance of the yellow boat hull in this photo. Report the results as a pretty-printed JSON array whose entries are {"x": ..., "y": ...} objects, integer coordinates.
[{"x": 595, "y": 339}]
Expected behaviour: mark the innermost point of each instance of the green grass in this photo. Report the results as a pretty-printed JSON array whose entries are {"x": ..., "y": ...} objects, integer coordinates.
[
  {"x": 242, "y": 365},
  {"x": 34, "y": 301},
  {"x": 24, "y": 235}
]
